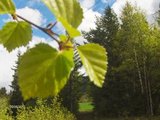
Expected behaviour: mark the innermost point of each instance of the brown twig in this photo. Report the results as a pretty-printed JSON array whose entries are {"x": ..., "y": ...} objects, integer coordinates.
[{"x": 51, "y": 33}]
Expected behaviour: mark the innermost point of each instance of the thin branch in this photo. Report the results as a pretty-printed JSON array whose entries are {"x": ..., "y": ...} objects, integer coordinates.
[
  {"x": 50, "y": 26},
  {"x": 40, "y": 28}
]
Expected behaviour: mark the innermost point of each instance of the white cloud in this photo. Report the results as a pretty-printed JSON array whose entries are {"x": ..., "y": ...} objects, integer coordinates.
[
  {"x": 149, "y": 7},
  {"x": 7, "y": 60},
  {"x": 146, "y": 6},
  {"x": 156, "y": 5},
  {"x": 87, "y": 3},
  {"x": 81, "y": 40},
  {"x": 118, "y": 6},
  {"x": 36, "y": 40},
  {"x": 89, "y": 15},
  {"x": 59, "y": 28},
  {"x": 89, "y": 20},
  {"x": 31, "y": 14}
]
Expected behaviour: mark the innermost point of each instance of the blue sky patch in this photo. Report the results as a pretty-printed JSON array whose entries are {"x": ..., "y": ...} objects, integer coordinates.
[{"x": 99, "y": 6}]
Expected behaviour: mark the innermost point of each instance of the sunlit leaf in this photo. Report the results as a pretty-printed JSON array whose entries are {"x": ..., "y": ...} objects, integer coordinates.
[
  {"x": 94, "y": 60},
  {"x": 68, "y": 12},
  {"x": 7, "y": 6},
  {"x": 43, "y": 71},
  {"x": 15, "y": 34}
]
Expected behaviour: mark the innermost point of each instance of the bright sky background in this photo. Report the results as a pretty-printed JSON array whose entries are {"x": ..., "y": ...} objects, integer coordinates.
[{"x": 37, "y": 12}]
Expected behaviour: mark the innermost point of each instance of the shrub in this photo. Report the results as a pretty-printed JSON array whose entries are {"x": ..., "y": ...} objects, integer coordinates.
[
  {"x": 43, "y": 111},
  {"x": 4, "y": 110}
]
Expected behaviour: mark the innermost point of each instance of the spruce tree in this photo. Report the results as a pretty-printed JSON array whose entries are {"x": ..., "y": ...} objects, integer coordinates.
[
  {"x": 3, "y": 92},
  {"x": 71, "y": 93},
  {"x": 104, "y": 99},
  {"x": 16, "y": 98}
]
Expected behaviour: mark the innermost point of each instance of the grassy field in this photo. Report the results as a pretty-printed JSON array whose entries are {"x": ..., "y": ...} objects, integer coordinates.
[
  {"x": 90, "y": 116},
  {"x": 129, "y": 118},
  {"x": 86, "y": 113},
  {"x": 85, "y": 107}
]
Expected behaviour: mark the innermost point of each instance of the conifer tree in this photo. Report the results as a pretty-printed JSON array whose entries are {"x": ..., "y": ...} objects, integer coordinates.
[
  {"x": 16, "y": 98},
  {"x": 3, "y": 92},
  {"x": 106, "y": 34}
]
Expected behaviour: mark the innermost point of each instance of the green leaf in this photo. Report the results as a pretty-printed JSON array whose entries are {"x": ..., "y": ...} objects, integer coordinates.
[
  {"x": 68, "y": 12},
  {"x": 15, "y": 34},
  {"x": 94, "y": 60},
  {"x": 43, "y": 71},
  {"x": 7, "y": 6}
]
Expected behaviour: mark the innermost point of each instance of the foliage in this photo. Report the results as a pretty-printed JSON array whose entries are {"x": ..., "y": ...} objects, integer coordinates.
[
  {"x": 85, "y": 107},
  {"x": 3, "y": 92},
  {"x": 44, "y": 112},
  {"x": 71, "y": 93},
  {"x": 133, "y": 50},
  {"x": 141, "y": 44},
  {"x": 53, "y": 65},
  {"x": 15, "y": 34},
  {"x": 94, "y": 62},
  {"x": 66, "y": 13},
  {"x": 4, "y": 110},
  {"x": 7, "y": 6},
  {"x": 52, "y": 68},
  {"x": 15, "y": 97},
  {"x": 41, "y": 112},
  {"x": 105, "y": 34}
]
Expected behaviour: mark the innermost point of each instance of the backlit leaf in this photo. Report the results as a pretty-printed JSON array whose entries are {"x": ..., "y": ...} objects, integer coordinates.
[
  {"x": 7, "y": 6},
  {"x": 68, "y": 12},
  {"x": 15, "y": 34},
  {"x": 94, "y": 60},
  {"x": 43, "y": 71}
]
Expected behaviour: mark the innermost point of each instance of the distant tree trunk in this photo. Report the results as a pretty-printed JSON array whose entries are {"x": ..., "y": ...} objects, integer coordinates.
[
  {"x": 148, "y": 89},
  {"x": 70, "y": 92},
  {"x": 150, "y": 98},
  {"x": 139, "y": 71}
]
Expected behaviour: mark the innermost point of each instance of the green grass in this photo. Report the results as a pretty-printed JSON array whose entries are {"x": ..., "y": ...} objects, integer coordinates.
[
  {"x": 130, "y": 118},
  {"x": 86, "y": 107}
]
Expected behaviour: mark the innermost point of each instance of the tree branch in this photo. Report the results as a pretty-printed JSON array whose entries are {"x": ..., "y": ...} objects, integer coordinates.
[{"x": 45, "y": 30}]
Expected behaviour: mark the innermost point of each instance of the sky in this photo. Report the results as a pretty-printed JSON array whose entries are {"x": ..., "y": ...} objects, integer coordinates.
[{"x": 37, "y": 12}]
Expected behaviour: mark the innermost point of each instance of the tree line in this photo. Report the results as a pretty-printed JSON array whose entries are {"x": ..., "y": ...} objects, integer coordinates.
[{"x": 132, "y": 84}]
